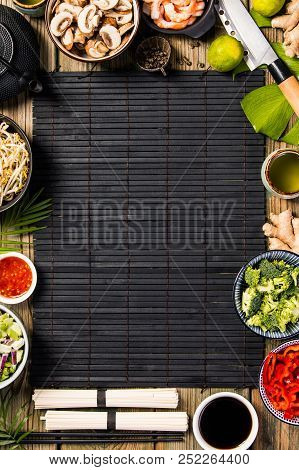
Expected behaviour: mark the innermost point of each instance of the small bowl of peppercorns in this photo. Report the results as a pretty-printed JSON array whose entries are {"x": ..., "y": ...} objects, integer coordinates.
[{"x": 153, "y": 54}]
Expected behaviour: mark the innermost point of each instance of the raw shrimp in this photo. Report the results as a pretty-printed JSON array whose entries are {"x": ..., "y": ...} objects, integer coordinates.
[
  {"x": 155, "y": 9},
  {"x": 180, "y": 3},
  {"x": 170, "y": 24},
  {"x": 175, "y": 15}
]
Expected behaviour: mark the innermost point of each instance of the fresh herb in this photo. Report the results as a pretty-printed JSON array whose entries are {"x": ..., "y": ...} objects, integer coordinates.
[
  {"x": 23, "y": 218},
  {"x": 261, "y": 21},
  {"x": 271, "y": 300},
  {"x": 292, "y": 136},
  {"x": 11, "y": 423},
  {"x": 267, "y": 110}
]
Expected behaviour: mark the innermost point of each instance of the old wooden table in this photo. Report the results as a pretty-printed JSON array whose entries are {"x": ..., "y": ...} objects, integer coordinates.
[{"x": 188, "y": 54}]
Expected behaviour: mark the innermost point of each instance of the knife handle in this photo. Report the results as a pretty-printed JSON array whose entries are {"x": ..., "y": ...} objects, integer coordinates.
[{"x": 287, "y": 83}]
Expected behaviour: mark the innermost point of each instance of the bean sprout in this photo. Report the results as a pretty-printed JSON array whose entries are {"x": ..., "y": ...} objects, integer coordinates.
[{"x": 14, "y": 164}]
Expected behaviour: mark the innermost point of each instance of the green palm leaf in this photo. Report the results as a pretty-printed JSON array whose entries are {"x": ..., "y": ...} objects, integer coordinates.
[
  {"x": 11, "y": 434},
  {"x": 22, "y": 219}
]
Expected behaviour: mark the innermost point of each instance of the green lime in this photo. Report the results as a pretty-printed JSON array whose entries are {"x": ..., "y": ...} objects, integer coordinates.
[
  {"x": 268, "y": 7},
  {"x": 225, "y": 53}
]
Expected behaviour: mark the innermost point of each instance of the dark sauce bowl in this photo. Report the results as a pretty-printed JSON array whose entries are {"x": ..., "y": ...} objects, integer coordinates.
[
  {"x": 15, "y": 128},
  {"x": 201, "y": 26}
]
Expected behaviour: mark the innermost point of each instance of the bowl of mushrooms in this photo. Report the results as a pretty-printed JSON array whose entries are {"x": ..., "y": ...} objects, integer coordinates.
[{"x": 92, "y": 30}]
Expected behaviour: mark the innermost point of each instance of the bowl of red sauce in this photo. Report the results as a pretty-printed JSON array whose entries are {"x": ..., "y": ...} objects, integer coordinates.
[{"x": 18, "y": 278}]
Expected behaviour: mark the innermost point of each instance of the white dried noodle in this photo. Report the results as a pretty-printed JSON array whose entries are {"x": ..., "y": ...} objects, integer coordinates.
[{"x": 14, "y": 164}]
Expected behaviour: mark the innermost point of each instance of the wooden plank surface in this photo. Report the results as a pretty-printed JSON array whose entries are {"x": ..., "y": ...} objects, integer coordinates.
[{"x": 187, "y": 54}]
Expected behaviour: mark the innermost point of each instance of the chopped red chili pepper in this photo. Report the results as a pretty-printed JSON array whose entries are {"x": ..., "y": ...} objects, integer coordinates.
[{"x": 281, "y": 380}]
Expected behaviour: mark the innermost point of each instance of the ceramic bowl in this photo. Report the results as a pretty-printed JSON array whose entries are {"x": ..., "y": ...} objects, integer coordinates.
[
  {"x": 278, "y": 414},
  {"x": 83, "y": 58},
  {"x": 201, "y": 26},
  {"x": 255, "y": 422},
  {"x": 22, "y": 364},
  {"x": 26, "y": 295},
  {"x": 14, "y": 127},
  {"x": 240, "y": 286}
]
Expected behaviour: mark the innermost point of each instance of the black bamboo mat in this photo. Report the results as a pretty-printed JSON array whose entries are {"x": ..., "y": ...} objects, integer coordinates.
[{"x": 158, "y": 202}]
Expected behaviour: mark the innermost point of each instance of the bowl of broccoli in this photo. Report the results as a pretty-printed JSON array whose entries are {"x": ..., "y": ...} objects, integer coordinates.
[{"x": 266, "y": 294}]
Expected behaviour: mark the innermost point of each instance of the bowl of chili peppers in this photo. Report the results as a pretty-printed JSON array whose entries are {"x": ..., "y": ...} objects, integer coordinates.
[{"x": 279, "y": 382}]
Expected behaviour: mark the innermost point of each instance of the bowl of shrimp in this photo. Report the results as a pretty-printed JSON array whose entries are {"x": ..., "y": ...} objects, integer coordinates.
[{"x": 192, "y": 18}]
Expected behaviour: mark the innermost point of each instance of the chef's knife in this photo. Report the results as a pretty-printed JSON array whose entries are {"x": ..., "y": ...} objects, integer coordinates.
[{"x": 239, "y": 24}]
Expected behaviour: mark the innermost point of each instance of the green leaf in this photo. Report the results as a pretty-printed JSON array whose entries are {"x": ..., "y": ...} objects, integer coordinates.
[
  {"x": 23, "y": 436},
  {"x": 6, "y": 443},
  {"x": 291, "y": 62},
  {"x": 261, "y": 21},
  {"x": 22, "y": 218},
  {"x": 292, "y": 137},
  {"x": 267, "y": 110}
]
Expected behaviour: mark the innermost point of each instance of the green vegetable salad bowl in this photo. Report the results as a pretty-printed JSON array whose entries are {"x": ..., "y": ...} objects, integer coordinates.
[
  {"x": 14, "y": 347},
  {"x": 266, "y": 294}
]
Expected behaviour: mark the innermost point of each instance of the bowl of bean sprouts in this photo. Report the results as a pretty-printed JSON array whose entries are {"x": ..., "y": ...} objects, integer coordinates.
[{"x": 15, "y": 162}]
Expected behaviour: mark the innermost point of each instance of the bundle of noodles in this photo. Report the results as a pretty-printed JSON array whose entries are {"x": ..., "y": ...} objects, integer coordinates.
[
  {"x": 129, "y": 421},
  {"x": 128, "y": 398},
  {"x": 14, "y": 164},
  {"x": 173, "y": 14}
]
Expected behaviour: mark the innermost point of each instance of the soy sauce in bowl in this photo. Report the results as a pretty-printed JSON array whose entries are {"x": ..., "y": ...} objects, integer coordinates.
[{"x": 225, "y": 423}]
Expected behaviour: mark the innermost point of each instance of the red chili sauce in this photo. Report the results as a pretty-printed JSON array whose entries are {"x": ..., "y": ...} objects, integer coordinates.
[{"x": 15, "y": 277}]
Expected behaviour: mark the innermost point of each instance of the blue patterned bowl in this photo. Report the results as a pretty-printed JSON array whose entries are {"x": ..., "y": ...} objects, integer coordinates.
[
  {"x": 263, "y": 393},
  {"x": 240, "y": 286}
]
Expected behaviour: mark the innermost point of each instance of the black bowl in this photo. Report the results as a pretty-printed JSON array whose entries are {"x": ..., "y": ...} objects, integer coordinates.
[
  {"x": 196, "y": 30},
  {"x": 14, "y": 127}
]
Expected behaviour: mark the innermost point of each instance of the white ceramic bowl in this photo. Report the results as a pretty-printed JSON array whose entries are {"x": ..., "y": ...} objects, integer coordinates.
[
  {"x": 255, "y": 422},
  {"x": 22, "y": 364},
  {"x": 26, "y": 295}
]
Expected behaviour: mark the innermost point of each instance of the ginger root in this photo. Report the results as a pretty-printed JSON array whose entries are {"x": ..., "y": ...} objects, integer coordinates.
[
  {"x": 290, "y": 24},
  {"x": 283, "y": 232}
]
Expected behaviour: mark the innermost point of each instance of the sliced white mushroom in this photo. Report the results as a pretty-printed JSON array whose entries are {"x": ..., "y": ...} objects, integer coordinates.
[
  {"x": 73, "y": 9},
  {"x": 96, "y": 20},
  {"x": 124, "y": 41},
  {"x": 110, "y": 36},
  {"x": 125, "y": 28},
  {"x": 124, "y": 19},
  {"x": 105, "y": 4},
  {"x": 111, "y": 21},
  {"x": 79, "y": 36},
  {"x": 55, "y": 5},
  {"x": 124, "y": 5},
  {"x": 60, "y": 23},
  {"x": 80, "y": 3},
  {"x": 96, "y": 49},
  {"x": 85, "y": 19},
  {"x": 67, "y": 39}
]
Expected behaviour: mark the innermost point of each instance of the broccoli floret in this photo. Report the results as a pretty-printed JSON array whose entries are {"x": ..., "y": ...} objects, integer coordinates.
[
  {"x": 281, "y": 265},
  {"x": 292, "y": 290},
  {"x": 266, "y": 285},
  {"x": 269, "y": 270},
  {"x": 282, "y": 283},
  {"x": 251, "y": 301},
  {"x": 269, "y": 304},
  {"x": 295, "y": 273},
  {"x": 265, "y": 322},
  {"x": 252, "y": 276},
  {"x": 287, "y": 312}
]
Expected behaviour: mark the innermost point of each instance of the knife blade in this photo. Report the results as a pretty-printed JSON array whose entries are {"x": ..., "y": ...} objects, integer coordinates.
[
  {"x": 257, "y": 50},
  {"x": 238, "y": 23}
]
